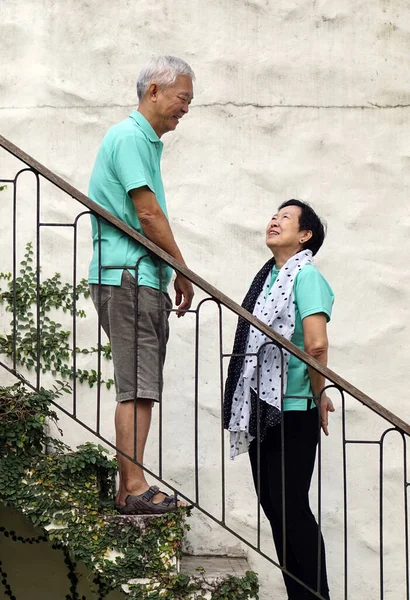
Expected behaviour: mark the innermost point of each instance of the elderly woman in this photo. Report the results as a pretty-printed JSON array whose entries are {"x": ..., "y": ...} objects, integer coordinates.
[{"x": 270, "y": 394}]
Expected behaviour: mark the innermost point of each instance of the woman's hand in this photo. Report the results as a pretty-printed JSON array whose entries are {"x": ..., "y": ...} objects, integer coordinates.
[{"x": 326, "y": 406}]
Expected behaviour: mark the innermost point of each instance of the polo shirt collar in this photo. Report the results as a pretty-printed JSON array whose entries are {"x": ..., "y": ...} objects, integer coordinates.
[{"x": 145, "y": 126}]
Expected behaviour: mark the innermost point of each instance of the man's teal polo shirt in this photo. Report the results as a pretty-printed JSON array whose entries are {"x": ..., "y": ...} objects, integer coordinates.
[{"x": 128, "y": 158}]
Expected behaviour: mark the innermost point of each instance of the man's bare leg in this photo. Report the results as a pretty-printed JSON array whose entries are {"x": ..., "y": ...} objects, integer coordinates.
[{"x": 132, "y": 477}]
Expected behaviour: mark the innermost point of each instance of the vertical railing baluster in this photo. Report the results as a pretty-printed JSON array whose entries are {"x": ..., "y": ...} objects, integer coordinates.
[
  {"x": 345, "y": 505},
  {"x": 160, "y": 369},
  {"x": 196, "y": 408},
  {"x": 406, "y": 485},
  {"x": 222, "y": 430},
  {"x": 74, "y": 319},
  {"x": 98, "y": 411},
  {"x": 258, "y": 453},
  {"x": 282, "y": 453},
  {"x": 38, "y": 281},
  {"x": 14, "y": 273},
  {"x": 319, "y": 499},
  {"x": 136, "y": 358},
  {"x": 14, "y": 259},
  {"x": 381, "y": 540},
  {"x": 136, "y": 350}
]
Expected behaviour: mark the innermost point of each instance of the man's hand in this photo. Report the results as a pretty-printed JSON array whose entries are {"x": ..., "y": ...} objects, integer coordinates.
[
  {"x": 184, "y": 293},
  {"x": 326, "y": 406}
]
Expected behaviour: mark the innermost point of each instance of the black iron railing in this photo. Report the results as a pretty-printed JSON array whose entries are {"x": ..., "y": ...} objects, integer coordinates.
[{"x": 389, "y": 426}]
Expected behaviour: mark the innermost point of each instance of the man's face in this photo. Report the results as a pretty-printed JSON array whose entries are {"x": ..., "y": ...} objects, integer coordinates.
[{"x": 172, "y": 103}]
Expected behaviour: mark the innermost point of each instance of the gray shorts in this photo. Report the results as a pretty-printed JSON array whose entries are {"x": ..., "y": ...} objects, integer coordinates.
[{"x": 135, "y": 319}]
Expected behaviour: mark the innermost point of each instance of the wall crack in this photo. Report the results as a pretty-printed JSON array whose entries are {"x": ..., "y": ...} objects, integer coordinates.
[{"x": 368, "y": 106}]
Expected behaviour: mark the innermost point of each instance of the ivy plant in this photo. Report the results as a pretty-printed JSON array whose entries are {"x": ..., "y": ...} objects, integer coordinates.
[
  {"x": 70, "y": 494},
  {"x": 46, "y": 345}
]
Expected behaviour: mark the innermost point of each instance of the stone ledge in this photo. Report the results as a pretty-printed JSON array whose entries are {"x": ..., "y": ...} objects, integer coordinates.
[
  {"x": 214, "y": 566},
  {"x": 136, "y": 521}
]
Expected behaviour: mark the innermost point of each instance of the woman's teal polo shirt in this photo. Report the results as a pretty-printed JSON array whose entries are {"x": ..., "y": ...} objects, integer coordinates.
[{"x": 312, "y": 295}]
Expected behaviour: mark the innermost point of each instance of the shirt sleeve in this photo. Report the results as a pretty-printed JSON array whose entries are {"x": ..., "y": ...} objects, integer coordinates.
[
  {"x": 312, "y": 293},
  {"x": 131, "y": 164}
]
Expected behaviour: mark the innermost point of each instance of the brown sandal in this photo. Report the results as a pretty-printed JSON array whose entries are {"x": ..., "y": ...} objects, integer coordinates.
[{"x": 143, "y": 504}]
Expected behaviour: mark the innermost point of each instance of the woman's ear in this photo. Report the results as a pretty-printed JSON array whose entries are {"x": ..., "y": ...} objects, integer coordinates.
[{"x": 306, "y": 236}]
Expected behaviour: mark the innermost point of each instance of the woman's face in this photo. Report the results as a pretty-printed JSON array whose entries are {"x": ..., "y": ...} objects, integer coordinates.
[{"x": 283, "y": 231}]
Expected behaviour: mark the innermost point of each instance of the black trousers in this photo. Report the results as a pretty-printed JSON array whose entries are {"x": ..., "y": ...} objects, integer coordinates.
[{"x": 301, "y": 434}]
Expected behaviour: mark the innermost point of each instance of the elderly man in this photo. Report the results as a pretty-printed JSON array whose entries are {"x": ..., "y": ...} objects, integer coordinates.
[{"x": 129, "y": 286}]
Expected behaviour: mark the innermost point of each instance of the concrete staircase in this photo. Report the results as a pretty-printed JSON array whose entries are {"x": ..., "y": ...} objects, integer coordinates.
[{"x": 205, "y": 573}]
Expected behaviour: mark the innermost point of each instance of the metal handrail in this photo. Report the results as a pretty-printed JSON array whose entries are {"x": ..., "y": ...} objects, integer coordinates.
[{"x": 330, "y": 375}]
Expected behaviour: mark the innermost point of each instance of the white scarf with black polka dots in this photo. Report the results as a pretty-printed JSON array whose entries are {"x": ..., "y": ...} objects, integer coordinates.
[{"x": 276, "y": 309}]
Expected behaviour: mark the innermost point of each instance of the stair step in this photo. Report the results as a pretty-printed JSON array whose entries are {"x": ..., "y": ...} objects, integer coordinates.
[{"x": 214, "y": 566}]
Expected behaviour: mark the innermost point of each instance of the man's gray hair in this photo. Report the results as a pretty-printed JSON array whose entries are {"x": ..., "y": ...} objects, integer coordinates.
[{"x": 162, "y": 70}]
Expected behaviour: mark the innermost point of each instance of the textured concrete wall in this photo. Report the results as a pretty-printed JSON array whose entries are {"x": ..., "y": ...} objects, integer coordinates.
[{"x": 294, "y": 98}]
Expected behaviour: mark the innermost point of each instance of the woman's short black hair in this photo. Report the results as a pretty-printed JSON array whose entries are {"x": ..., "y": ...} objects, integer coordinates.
[{"x": 309, "y": 220}]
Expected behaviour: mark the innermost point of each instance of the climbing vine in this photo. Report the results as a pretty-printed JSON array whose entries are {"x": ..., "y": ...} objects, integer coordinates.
[
  {"x": 181, "y": 587},
  {"x": 46, "y": 345},
  {"x": 70, "y": 495}
]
